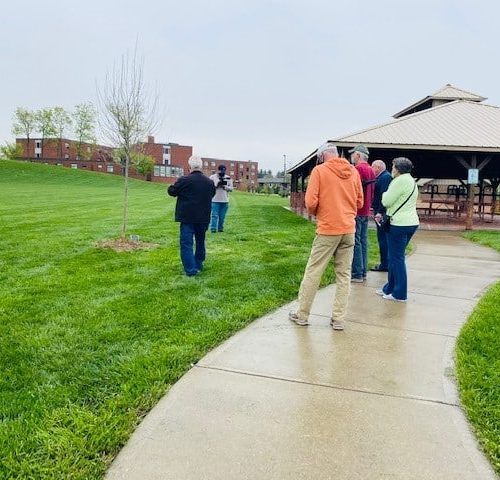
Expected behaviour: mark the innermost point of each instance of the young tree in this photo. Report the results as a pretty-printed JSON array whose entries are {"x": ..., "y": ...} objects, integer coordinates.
[
  {"x": 128, "y": 113},
  {"x": 61, "y": 120},
  {"x": 143, "y": 164},
  {"x": 45, "y": 124},
  {"x": 11, "y": 151},
  {"x": 24, "y": 124},
  {"x": 84, "y": 120}
]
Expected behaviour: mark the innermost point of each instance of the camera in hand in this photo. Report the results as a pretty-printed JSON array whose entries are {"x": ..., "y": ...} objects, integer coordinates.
[{"x": 222, "y": 182}]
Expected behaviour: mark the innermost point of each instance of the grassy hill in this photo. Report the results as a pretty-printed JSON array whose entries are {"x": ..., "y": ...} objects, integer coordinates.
[{"x": 91, "y": 339}]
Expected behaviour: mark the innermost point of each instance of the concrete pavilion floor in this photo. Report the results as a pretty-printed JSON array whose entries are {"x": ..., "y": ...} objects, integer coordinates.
[{"x": 377, "y": 401}]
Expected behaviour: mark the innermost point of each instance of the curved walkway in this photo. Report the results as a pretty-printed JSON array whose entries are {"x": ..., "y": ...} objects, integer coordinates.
[{"x": 376, "y": 401}]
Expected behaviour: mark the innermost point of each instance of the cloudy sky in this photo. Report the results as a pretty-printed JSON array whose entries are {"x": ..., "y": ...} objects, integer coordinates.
[{"x": 252, "y": 79}]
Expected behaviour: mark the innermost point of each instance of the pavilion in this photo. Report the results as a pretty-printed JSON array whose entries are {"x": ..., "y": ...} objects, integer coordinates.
[{"x": 445, "y": 135}]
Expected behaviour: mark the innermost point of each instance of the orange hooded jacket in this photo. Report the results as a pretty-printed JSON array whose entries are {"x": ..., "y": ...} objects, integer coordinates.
[{"x": 334, "y": 195}]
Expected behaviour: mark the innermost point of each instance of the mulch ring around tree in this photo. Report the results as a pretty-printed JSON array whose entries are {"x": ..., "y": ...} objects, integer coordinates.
[{"x": 125, "y": 245}]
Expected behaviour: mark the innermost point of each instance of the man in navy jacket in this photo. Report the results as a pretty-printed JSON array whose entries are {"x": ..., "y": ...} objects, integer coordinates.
[
  {"x": 194, "y": 194},
  {"x": 383, "y": 178}
]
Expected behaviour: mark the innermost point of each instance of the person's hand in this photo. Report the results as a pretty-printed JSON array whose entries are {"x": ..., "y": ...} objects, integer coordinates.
[{"x": 378, "y": 217}]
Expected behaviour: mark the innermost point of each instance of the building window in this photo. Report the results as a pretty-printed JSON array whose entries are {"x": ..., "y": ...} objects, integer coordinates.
[
  {"x": 168, "y": 171},
  {"x": 99, "y": 166},
  {"x": 38, "y": 144},
  {"x": 37, "y": 155},
  {"x": 231, "y": 173},
  {"x": 247, "y": 177},
  {"x": 253, "y": 167},
  {"x": 74, "y": 166},
  {"x": 166, "y": 149},
  {"x": 66, "y": 156},
  {"x": 109, "y": 168},
  {"x": 205, "y": 164},
  {"x": 232, "y": 164},
  {"x": 212, "y": 163},
  {"x": 66, "y": 145}
]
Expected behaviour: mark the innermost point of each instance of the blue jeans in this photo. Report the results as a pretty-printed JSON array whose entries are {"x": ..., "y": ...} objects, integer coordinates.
[
  {"x": 397, "y": 240},
  {"x": 219, "y": 210},
  {"x": 192, "y": 263},
  {"x": 360, "y": 258},
  {"x": 382, "y": 247}
]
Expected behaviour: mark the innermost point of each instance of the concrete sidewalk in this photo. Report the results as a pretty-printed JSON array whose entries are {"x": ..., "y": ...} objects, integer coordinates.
[{"x": 377, "y": 401}]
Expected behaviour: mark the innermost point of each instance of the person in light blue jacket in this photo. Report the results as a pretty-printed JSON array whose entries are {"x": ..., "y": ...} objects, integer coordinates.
[{"x": 400, "y": 200}]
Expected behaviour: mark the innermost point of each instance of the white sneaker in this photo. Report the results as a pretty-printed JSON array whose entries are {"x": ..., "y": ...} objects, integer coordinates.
[
  {"x": 390, "y": 297},
  {"x": 293, "y": 317},
  {"x": 380, "y": 292},
  {"x": 336, "y": 325}
]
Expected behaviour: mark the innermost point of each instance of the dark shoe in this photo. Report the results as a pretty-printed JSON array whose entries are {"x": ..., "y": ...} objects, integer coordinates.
[{"x": 378, "y": 268}]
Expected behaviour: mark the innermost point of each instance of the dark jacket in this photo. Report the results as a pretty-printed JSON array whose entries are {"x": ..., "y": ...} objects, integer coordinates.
[
  {"x": 194, "y": 194},
  {"x": 381, "y": 185}
]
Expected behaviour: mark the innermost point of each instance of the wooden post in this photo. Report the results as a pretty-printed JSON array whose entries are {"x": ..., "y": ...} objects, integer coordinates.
[{"x": 470, "y": 199}]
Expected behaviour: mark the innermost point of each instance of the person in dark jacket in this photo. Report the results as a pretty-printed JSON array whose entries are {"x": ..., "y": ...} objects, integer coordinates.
[
  {"x": 383, "y": 179},
  {"x": 194, "y": 194}
]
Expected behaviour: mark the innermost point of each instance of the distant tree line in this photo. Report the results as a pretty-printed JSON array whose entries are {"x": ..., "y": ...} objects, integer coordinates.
[{"x": 57, "y": 123}]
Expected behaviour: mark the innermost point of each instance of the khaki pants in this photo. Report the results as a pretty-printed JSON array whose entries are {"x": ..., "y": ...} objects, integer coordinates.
[{"x": 324, "y": 247}]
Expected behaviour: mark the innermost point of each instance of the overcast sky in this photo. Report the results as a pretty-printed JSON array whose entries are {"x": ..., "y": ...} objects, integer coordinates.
[{"x": 254, "y": 79}]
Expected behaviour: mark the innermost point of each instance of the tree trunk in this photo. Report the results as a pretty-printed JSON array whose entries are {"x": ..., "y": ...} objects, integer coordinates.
[{"x": 125, "y": 198}]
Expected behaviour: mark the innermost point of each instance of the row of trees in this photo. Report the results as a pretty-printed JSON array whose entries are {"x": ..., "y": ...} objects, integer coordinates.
[{"x": 56, "y": 122}]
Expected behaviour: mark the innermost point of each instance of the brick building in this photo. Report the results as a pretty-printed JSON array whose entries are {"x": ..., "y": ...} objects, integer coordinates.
[
  {"x": 242, "y": 172},
  {"x": 171, "y": 159}
]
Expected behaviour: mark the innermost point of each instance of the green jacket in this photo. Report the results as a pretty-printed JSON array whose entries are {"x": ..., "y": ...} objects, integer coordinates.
[{"x": 398, "y": 191}]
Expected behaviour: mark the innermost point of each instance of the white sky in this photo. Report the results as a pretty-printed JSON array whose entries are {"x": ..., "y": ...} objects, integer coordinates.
[{"x": 255, "y": 79}]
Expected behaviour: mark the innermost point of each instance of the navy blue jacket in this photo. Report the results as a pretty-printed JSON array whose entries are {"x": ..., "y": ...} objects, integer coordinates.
[
  {"x": 194, "y": 194},
  {"x": 381, "y": 185}
]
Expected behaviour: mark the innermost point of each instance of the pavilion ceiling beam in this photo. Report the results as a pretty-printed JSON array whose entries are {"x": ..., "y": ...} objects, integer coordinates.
[
  {"x": 462, "y": 162},
  {"x": 484, "y": 162}
]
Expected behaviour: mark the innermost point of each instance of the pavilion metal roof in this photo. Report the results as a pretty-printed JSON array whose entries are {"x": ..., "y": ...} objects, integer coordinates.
[{"x": 461, "y": 125}]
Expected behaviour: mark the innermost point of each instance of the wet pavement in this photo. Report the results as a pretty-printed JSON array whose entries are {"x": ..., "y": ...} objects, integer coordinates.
[{"x": 376, "y": 401}]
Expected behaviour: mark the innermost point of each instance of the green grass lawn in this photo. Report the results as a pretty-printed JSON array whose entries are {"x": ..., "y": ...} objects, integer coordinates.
[
  {"x": 91, "y": 339},
  {"x": 478, "y": 362}
]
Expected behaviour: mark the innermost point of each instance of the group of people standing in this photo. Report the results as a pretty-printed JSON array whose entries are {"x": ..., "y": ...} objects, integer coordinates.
[{"x": 341, "y": 197}]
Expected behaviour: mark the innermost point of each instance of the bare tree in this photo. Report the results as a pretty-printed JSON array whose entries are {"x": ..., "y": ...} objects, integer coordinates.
[
  {"x": 24, "y": 124},
  {"x": 128, "y": 112}
]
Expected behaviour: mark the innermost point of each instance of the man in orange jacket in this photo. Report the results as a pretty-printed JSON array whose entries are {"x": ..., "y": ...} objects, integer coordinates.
[{"x": 333, "y": 196}]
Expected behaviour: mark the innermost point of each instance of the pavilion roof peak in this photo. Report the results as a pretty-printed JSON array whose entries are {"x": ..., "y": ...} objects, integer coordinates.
[{"x": 448, "y": 93}]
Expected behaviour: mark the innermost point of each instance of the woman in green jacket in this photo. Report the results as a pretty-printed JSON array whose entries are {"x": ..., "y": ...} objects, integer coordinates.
[{"x": 400, "y": 199}]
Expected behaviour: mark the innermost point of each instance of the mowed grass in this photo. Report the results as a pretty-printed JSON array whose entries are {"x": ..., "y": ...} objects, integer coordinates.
[
  {"x": 478, "y": 362},
  {"x": 90, "y": 339}
]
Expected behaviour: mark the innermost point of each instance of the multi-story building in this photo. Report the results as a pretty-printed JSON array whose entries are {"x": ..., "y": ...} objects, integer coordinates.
[
  {"x": 171, "y": 159},
  {"x": 242, "y": 172}
]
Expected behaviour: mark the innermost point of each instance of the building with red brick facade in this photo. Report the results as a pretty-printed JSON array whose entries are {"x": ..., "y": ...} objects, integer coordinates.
[
  {"x": 171, "y": 160},
  {"x": 242, "y": 172}
]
